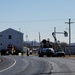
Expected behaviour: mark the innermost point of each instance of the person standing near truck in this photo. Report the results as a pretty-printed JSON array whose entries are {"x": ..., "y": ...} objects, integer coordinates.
[{"x": 27, "y": 52}]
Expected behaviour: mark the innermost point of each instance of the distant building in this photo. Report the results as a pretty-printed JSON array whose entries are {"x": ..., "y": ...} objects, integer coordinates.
[{"x": 11, "y": 37}]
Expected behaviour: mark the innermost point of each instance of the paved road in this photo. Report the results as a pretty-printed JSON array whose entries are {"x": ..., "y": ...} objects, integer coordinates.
[
  {"x": 34, "y": 65},
  {"x": 62, "y": 66},
  {"x": 28, "y": 66},
  {"x": 6, "y": 62}
]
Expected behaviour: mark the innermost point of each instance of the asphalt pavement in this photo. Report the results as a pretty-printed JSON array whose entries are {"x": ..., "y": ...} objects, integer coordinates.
[
  {"x": 5, "y": 63},
  {"x": 27, "y": 66},
  {"x": 34, "y": 65}
]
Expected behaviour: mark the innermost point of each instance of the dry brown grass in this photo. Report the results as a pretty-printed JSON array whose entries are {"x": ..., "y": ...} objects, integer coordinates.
[
  {"x": 71, "y": 56},
  {"x": 0, "y": 60}
]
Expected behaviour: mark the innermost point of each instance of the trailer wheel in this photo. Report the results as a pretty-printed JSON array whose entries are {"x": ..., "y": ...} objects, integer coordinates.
[{"x": 48, "y": 55}]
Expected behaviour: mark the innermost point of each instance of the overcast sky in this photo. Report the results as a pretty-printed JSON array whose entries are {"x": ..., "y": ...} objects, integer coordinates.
[{"x": 34, "y": 16}]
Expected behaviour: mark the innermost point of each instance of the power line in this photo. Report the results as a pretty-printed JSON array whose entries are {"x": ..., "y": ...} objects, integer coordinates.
[{"x": 32, "y": 21}]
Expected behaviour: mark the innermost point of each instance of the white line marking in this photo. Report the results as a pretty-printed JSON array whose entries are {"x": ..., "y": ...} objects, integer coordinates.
[{"x": 9, "y": 67}]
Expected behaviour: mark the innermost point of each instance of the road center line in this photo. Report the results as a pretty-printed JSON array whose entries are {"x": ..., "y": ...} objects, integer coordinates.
[{"x": 10, "y": 66}]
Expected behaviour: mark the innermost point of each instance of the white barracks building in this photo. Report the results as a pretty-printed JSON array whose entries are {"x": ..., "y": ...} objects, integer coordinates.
[{"x": 11, "y": 37}]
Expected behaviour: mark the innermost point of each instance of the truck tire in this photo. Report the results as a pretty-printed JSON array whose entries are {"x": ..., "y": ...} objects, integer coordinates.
[
  {"x": 48, "y": 55},
  {"x": 40, "y": 55}
]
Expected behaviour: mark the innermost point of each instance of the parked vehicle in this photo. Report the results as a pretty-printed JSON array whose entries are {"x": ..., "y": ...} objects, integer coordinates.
[
  {"x": 30, "y": 51},
  {"x": 59, "y": 53}
]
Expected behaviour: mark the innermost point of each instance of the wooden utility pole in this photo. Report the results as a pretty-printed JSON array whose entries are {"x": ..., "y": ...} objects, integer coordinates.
[
  {"x": 69, "y": 31},
  {"x": 39, "y": 38}
]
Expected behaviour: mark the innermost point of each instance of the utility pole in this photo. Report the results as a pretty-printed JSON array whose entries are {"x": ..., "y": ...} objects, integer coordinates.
[
  {"x": 26, "y": 39},
  {"x": 20, "y": 37},
  {"x": 26, "y": 36},
  {"x": 39, "y": 38},
  {"x": 69, "y": 31}
]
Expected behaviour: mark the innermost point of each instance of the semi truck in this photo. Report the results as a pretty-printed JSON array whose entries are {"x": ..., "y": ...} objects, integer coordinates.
[{"x": 45, "y": 48}]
